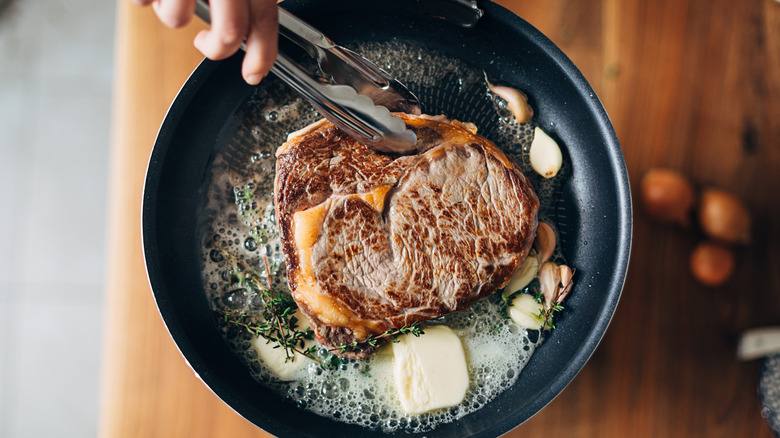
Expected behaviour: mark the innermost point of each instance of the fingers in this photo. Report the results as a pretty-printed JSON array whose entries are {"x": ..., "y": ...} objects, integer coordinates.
[
  {"x": 261, "y": 43},
  {"x": 232, "y": 22},
  {"x": 173, "y": 13},
  {"x": 229, "y": 27}
]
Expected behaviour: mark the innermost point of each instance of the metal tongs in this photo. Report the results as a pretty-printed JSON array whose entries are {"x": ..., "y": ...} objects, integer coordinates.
[{"x": 353, "y": 93}]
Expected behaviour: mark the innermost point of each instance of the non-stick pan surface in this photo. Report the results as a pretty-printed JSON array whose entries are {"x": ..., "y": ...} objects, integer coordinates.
[{"x": 595, "y": 205}]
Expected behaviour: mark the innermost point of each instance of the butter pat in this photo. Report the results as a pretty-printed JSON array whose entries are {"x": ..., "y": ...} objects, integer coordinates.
[
  {"x": 274, "y": 358},
  {"x": 525, "y": 312},
  {"x": 430, "y": 371}
]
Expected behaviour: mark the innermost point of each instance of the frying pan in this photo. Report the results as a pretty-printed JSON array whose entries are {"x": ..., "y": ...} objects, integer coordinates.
[{"x": 593, "y": 207}]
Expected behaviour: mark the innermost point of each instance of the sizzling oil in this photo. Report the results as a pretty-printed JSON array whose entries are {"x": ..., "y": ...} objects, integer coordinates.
[{"x": 239, "y": 216}]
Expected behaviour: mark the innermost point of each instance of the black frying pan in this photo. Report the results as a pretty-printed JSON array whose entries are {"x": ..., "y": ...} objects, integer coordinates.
[{"x": 594, "y": 196}]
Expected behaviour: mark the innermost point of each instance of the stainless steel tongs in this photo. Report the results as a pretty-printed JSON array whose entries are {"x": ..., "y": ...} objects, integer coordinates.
[{"x": 357, "y": 98}]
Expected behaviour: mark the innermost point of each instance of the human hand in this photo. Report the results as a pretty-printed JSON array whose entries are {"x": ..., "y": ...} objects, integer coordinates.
[{"x": 232, "y": 22}]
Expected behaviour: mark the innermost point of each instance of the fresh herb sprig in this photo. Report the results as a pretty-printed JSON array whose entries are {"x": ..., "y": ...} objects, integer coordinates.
[
  {"x": 277, "y": 321},
  {"x": 392, "y": 335},
  {"x": 292, "y": 343},
  {"x": 548, "y": 312}
]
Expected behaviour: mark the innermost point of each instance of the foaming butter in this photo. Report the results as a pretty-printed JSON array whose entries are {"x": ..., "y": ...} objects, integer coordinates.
[{"x": 494, "y": 350}]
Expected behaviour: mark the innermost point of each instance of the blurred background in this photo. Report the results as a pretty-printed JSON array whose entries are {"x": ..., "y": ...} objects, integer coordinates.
[{"x": 56, "y": 67}]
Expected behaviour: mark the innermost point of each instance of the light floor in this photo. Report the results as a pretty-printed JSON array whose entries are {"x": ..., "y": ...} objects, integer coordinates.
[{"x": 56, "y": 60}]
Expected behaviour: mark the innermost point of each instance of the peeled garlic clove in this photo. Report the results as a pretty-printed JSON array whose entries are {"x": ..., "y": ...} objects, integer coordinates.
[
  {"x": 544, "y": 242},
  {"x": 526, "y": 312},
  {"x": 523, "y": 275},
  {"x": 275, "y": 357},
  {"x": 545, "y": 155},
  {"x": 549, "y": 282},
  {"x": 567, "y": 275},
  {"x": 516, "y": 101}
]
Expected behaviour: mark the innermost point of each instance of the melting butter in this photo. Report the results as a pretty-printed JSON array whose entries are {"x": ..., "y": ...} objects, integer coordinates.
[{"x": 430, "y": 371}]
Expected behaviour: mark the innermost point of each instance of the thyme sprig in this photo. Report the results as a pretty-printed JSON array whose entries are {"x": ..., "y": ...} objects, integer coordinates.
[
  {"x": 391, "y": 335},
  {"x": 293, "y": 344},
  {"x": 277, "y": 321},
  {"x": 547, "y": 313}
]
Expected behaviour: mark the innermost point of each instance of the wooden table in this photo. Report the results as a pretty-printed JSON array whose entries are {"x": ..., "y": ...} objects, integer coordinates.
[{"x": 689, "y": 84}]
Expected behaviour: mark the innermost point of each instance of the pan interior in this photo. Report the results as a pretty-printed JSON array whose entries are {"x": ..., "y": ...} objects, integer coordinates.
[
  {"x": 592, "y": 208},
  {"x": 239, "y": 221}
]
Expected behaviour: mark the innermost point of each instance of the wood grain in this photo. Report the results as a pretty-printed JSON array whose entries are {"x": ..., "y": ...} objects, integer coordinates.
[
  {"x": 147, "y": 390},
  {"x": 689, "y": 84},
  {"x": 695, "y": 86}
]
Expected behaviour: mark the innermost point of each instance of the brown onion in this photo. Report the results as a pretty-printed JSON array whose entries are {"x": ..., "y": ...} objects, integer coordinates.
[
  {"x": 724, "y": 217},
  {"x": 667, "y": 196},
  {"x": 712, "y": 264}
]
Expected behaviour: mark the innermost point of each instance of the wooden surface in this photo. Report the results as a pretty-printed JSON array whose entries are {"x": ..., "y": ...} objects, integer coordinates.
[{"x": 689, "y": 84}]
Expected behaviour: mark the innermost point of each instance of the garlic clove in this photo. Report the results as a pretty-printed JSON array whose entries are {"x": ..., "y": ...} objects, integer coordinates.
[
  {"x": 275, "y": 358},
  {"x": 526, "y": 312},
  {"x": 523, "y": 275},
  {"x": 516, "y": 101},
  {"x": 545, "y": 155},
  {"x": 549, "y": 281},
  {"x": 567, "y": 275},
  {"x": 544, "y": 242}
]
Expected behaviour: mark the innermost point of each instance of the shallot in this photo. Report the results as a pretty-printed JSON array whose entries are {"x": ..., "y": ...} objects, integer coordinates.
[
  {"x": 724, "y": 217},
  {"x": 667, "y": 196},
  {"x": 711, "y": 263}
]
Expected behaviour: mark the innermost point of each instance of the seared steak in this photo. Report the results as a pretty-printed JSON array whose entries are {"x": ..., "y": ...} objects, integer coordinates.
[{"x": 375, "y": 241}]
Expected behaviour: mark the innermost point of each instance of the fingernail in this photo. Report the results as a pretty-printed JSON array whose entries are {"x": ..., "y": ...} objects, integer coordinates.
[
  {"x": 198, "y": 41},
  {"x": 253, "y": 79}
]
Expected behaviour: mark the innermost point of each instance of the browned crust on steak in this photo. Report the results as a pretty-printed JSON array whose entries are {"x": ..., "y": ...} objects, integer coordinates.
[{"x": 390, "y": 240}]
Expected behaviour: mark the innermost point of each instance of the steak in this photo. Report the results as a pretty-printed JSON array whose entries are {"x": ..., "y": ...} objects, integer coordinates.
[{"x": 374, "y": 241}]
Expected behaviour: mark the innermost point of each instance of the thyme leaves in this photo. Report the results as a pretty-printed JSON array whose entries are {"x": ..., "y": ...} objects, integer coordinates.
[
  {"x": 277, "y": 321},
  {"x": 392, "y": 335}
]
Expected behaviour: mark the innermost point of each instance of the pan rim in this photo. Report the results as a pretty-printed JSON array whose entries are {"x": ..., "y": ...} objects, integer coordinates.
[{"x": 174, "y": 326}]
